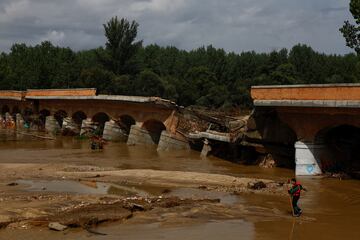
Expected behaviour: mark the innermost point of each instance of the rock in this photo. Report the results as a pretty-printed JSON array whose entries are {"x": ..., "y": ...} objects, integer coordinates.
[
  {"x": 12, "y": 184},
  {"x": 166, "y": 191},
  {"x": 135, "y": 207},
  {"x": 57, "y": 226},
  {"x": 257, "y": 185}
]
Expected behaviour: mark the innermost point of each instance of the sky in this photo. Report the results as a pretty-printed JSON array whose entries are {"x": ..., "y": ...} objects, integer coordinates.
[{"x": 234, "y": 25}]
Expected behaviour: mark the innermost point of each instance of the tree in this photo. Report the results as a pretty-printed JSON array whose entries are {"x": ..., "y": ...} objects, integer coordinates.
[
  {"x": 284, "y": 74},
  {"x": 121, "y": 47},
  {"x": 148, "y": 83},
  {"x": 351, "y": 32}
]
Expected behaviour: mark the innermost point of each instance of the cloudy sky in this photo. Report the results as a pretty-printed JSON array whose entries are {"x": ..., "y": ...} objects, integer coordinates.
[{"x": 235, "y": 25}]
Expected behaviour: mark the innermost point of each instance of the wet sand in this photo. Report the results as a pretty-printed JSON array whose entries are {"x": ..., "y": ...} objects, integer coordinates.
[{"x": 330, "y": 207}]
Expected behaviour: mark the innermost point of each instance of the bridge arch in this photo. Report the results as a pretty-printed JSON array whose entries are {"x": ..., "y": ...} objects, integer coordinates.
[
  {"x": 154, "y": 127},
  {"x": 16, "y": 110},
  {"x": 101, "y": 118},
  {"x": 59, "y": 116},
  {"x": 341, "y": 148},
  {"x": 5, "y": 109},
  {"x": 43, "y": 114},
  {"x": 125, "y": 122},
  {"x": 78, "y": 117}
]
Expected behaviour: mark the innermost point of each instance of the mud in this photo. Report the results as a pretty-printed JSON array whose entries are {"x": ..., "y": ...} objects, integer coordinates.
[{"x": 138, "y": 193}]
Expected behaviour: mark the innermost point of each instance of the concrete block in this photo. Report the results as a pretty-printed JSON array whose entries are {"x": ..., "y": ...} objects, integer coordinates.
[{"x": 306, "y": 159}]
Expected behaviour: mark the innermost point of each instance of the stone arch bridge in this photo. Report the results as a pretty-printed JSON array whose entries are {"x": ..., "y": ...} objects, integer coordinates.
[
  {"x": 324, "y": 120},
  {"x": 132, "y": 119}
]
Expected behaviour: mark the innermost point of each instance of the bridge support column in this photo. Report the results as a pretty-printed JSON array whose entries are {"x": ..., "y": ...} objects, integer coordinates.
[
  {"x": 170, "y": 141},
  {"x": 113, "y": 132},
  {"x": 51, "y": 125},
  {"x": 19, "y": 121},
  {"x": 2, "y": 122},
  {"x": 69, "y": 126},
  {"x": 87, "y": 127},
  {"x": 307, "y": 158},
  {"x": 206, "y": 149},
  {"x": 140, "y": 136},
  {"x": 10, "y": 123}
]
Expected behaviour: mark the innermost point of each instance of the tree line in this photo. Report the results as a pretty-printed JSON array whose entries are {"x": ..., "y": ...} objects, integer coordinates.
[{"x": 206, "y": 76}]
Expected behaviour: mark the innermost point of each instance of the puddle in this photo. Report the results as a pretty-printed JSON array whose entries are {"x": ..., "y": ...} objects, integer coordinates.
[
  {"x": 90, "y": 187},
  {"x": 81, "y": 187}
]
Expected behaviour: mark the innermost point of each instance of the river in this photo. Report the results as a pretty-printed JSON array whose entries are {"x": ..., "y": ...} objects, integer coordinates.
[{"x": 331, "y": 206}]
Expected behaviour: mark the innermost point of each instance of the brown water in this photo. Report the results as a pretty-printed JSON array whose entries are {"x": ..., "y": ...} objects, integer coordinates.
[{"x": 331, "y": 207}]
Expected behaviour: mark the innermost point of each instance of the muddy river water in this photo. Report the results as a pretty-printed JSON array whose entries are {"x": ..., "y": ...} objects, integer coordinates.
[{"x": 331, "y": 206}]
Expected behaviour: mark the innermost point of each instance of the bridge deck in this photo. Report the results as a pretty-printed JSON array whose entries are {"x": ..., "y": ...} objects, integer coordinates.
[
  {"x": 317, "y": 95},
  {"x": 77, "y": 94}
]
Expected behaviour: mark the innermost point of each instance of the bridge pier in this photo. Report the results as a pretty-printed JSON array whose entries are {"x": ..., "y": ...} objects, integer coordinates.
[
  {"x": 169, "y": 141},
  {"x": 307, "y": 158},
  {"x": 69, "y": 125},
  {"x": 166, "y": 141},
  {"x": 51, "y": 125},
  {"x": 140, "y": 136},
  {"x": 2, "y": 121},
  {"x": 88, "y": 126},
  {"x": 113, "y": 132},
  {"x": 19, "y": 121},
  {"x": 7, "y": 121}
]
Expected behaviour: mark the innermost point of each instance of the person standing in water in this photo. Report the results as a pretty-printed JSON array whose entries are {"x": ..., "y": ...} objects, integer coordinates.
[{"x": 295, "y": 192}]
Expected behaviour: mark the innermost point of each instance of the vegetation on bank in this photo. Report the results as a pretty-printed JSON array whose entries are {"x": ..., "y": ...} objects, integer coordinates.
[{"x": 206, "y": 76}]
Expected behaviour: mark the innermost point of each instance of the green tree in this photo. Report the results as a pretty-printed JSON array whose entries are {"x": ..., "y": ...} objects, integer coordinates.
[
  {"x": 351, "y": 32},
  {"x": 284, "y": 74},
  {"x": 121, "y": 46},
  {"x": 148, "y": 83}
]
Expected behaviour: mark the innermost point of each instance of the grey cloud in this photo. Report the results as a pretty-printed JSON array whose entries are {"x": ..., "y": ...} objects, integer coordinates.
[{"x": 235, "y": 25}]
